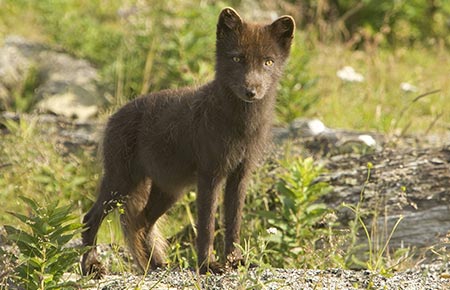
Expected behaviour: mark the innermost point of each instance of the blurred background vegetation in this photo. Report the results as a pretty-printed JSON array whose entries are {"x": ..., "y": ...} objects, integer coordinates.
[
  {"x": 147, "y": 45},
  {"x": 141, "y": 46}
]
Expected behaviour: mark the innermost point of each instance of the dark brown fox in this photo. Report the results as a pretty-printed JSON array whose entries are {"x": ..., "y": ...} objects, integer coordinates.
[{"x": 159, "y": 144}]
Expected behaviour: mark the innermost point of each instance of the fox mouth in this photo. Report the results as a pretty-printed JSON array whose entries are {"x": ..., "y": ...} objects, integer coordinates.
[
  {"x": 249, "y": 101},
  {"x": 248, "y": 95}
]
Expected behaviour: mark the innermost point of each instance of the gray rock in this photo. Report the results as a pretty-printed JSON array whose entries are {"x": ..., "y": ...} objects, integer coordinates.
[
  {"x": 315, "y": 136},
  {"x": 70, "y": 86},
  {"x": 66, "y": 86}
]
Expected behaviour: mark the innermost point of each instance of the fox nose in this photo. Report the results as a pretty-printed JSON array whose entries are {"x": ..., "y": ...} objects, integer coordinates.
[{"x": 250, "y": 93}]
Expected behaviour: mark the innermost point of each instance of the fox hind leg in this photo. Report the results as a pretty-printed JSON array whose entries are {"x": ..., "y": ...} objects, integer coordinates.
[
  {"x": 139, "y": 223},
  {"x": 111, "y": 193}
]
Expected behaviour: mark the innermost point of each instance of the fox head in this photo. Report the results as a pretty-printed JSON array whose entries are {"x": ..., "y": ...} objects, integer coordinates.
[{"x": 250, "y": 57}]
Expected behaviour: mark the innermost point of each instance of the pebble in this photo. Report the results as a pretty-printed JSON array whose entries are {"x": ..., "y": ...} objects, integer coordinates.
[{"x": 415, "y": 279}]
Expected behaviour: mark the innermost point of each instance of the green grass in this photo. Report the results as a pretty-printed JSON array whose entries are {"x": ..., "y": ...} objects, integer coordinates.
[
  {"x": 374, "y": 254},
  {"x": 376, "y": 103},
  {"x": 32, "y": 166}
]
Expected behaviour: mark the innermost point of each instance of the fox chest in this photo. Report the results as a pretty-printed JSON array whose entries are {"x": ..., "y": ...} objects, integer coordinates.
[{"x": 222, "y": 153}]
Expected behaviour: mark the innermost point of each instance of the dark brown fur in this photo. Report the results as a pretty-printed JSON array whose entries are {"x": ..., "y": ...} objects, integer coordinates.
[{"x": 159, "y": 144}]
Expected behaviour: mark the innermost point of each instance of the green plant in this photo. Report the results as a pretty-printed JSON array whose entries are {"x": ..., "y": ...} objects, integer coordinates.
[
  {"x": 138, "y": 46},
  {"x": 287, "y": 219},
  {"x": 299, "y": 212},
  {"x": 409, "y": 105},
  {"x": 27, "y": 152},
  {"x": 180, "y": 226},
  {"x": 43, "y": 255},
  {"x": 296, "y": 96},
  {"x": 23, "y": 93},
  {"x": 375, "y": 21},
  {"x": 378, "y": 258},
  {"x": 253, "y": 264}
]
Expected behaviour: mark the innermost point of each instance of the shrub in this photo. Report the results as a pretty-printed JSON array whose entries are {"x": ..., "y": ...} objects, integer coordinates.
[
  {"x": 286, "y": 217},
  {"x": 391, "y": 22},
  {"x": 43, "y": 258}
]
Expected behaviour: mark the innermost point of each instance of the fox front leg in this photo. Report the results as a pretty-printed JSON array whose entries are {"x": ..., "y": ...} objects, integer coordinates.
[
  {"x": 208, "y": 191},
  {"x": 235, "y": 191}
]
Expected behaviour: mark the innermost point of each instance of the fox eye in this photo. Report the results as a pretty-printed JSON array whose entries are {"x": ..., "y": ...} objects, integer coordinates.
[
  {"x": 236, "y": 59},
  {"x": 269, "y": 62}
]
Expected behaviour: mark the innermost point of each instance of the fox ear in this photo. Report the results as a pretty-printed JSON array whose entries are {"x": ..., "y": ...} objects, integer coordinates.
[
  {"x": 229, "y": 20},
  {"x": 283, "y": 29}
]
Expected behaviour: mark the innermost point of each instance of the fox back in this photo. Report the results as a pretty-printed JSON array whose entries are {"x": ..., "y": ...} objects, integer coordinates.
[{"x": 159, "y": 144}]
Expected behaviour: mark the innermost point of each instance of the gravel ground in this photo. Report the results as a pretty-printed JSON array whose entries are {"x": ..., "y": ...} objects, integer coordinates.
[
  {"x": 425, "y": 277},
  {"x": 430, "y": 276}
]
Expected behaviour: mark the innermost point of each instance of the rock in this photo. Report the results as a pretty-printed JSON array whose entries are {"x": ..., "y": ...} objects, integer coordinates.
[
  {"x": 70, "y": 86},
  {"x": 65, "y": 85},
  {"x": 317, "y": 138},
  {"x": 70, "y": 105},
  {"x": 308, "y": 128},
  {"x": 409, "y": 182},
  {"x": 411, "y": 185},
  {"x": 68, "y": 135}
]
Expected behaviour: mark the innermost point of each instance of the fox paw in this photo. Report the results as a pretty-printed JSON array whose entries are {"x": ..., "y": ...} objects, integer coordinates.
[
  {"x": 97, "y": 271},
  {"x": 213, "y": 268},
  {"x": 234, "y": 261},
  {"x": 90, "y": 266},
  {"x": 238, "y": 263}
]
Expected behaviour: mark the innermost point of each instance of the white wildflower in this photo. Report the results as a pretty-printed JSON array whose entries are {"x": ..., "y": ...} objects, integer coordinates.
[
  {"x": 407, "y": 87},
  {"x": 347, "y": 73},
  {"x": 272, "y": 231}
]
